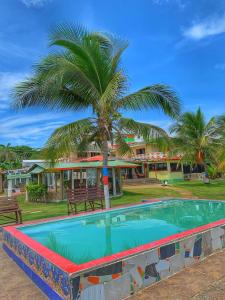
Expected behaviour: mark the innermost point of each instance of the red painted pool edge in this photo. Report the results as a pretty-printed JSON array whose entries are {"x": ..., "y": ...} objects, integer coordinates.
[{"x": 70, "y": 267}]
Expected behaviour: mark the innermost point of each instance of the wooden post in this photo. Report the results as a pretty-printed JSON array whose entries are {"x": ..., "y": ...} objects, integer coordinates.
[
  {"x": 168, "y": 167},
  {"x": 9, "y": 191},
  {"x": 98, "y": 177},
  {"x": 143, "y": 168},
  {"x": 120, "y": 182},
  {"x": 27, "y": 196},
  {"x": 146, "y": 170},
  {"x": 61, "y": 185},
  {"x": 182, "y": 169},
  {"x": 81, "y": 177},
  {"x": 56, "y": 188},
  {"x": 39, "y": 178},
  {"x": 72, "y": 180},
  {"x": 114, "y": 181}
]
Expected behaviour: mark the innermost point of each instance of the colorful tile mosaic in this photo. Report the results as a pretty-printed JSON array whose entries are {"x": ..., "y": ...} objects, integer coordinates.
[
  {"x": 51, "y": 274},
  {"x": 147, "y": 268}
]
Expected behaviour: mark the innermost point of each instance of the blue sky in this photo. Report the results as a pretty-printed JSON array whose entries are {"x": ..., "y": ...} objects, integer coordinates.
[{"x": 177, "y": 42}]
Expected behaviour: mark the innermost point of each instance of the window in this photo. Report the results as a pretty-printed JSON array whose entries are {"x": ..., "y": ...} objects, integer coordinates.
[
  {"x": 197, "y": 169},
  {"x": 140, "y": 151},
  {"x": 158, "y": 167},
  {"x": 94, "y": 154},
  {"x": 82, "y": 155},
  {"x": 175, "y": 167}
]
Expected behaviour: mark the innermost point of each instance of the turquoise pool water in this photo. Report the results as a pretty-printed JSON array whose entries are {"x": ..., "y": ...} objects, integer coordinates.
[{"x": 85, "y": 238}]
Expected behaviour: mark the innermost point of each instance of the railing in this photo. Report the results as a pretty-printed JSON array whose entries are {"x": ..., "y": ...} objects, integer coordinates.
[
  {"x": 193, "y": 176},
  {"x": 151, "y": 155}
]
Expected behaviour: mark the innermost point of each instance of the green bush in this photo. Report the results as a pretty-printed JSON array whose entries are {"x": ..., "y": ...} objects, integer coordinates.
[
  {"x": 36, "y": 192},
  {"x": 212, "y": 171}
]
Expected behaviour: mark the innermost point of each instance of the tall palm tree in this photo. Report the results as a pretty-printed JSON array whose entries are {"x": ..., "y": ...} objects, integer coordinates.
[
  {"x": 87, "y": 74},
  {"x": 196, "y": 139}
]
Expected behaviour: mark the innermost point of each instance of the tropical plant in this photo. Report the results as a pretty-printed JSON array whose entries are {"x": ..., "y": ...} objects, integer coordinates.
[
  {"x": 87, "y": 74},
  {"x": 218, "y": 161},
  {"x": 36, "y": 192},
  {"x": 196, "y": 139}
]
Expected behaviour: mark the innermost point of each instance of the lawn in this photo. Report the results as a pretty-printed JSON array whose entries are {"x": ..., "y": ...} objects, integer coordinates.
[{"x": 215, "y": 190}]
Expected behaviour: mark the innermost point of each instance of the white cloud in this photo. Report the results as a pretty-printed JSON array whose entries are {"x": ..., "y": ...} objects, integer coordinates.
[
  {"x": 210, "y": 27},
  {"x": 9, "y": 49},
  {"x": 29, "y": 3},
  {"x": 30, "y": 129},
  {"x": 7, "y": 82}
]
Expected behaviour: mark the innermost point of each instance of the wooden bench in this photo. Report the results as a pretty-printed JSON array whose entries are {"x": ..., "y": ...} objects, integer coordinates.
[
  {"x": 81, "y": 199},
  {"x": 9, "y": 209}
]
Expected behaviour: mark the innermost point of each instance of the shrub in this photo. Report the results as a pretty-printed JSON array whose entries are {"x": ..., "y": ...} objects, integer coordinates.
[{"x": 36, "y": 192}]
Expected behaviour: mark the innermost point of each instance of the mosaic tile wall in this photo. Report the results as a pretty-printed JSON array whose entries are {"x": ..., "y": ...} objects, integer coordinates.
[
  {"x": 123, "y": 278},
  {"x": 56, "y": 279},
  {"x": 119, "y": 280}
]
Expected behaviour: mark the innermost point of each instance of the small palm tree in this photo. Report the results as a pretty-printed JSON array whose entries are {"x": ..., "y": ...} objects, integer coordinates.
[
  {"x": 196, "y": 139},
  {"x": 87, "y": 74}
]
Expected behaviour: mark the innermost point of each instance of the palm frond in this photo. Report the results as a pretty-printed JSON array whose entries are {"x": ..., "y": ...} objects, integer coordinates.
[
  {"x": 145, "y": 130},
  {"x": 70, "y": 138},
  {"x": 121, "y": 145},
  {"x": 155, "y": 96},
  {"x": 115, "y": 89}
]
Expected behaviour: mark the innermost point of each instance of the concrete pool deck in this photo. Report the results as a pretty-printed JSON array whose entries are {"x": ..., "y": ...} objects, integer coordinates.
[{"x": 203, "y": 281}]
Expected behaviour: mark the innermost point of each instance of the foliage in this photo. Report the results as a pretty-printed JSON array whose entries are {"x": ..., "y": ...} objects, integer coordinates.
[
  {"x": 196, "y": 139},
  {"x": 36, "y": 192},
  {"x": 212, "y": 171},
  {"x": 87, "y": 74},
  {"x": 11, "y": 156}
]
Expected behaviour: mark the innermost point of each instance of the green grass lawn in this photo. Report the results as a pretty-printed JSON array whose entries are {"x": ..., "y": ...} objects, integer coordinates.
[{"x": 215, "y": 190}]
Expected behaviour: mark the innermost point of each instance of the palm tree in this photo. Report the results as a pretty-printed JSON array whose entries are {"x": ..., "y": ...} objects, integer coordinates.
[
  {"x": 87, "y": 74},
  {"x": 196, "y": 139},
  {"x": 7, "y": 153}
]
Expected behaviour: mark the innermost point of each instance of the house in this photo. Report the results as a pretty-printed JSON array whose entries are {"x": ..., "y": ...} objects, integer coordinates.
[{"x": 154, "y": 164}]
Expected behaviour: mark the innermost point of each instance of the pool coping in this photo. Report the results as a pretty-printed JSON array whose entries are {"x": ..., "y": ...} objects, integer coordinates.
[{"x": 73, "y": 269}]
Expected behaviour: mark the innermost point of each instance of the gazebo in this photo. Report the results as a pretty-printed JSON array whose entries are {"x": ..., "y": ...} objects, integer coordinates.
[{"x": 80, "y": 174}]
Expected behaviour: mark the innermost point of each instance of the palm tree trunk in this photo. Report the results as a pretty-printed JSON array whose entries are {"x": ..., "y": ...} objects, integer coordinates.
[{"x": 105, "y": 173}]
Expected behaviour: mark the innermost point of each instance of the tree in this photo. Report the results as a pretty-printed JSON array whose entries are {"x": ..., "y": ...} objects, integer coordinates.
[
  {"x": 7, "y": 153},
  {"x": 196, "y": 139},
  {"x": 11, "y": 156},
  {"x": 87, "y": 74}
]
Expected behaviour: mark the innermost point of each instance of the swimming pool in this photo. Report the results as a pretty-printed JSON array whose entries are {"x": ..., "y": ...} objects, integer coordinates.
[{"x": 110, "y": 255}]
